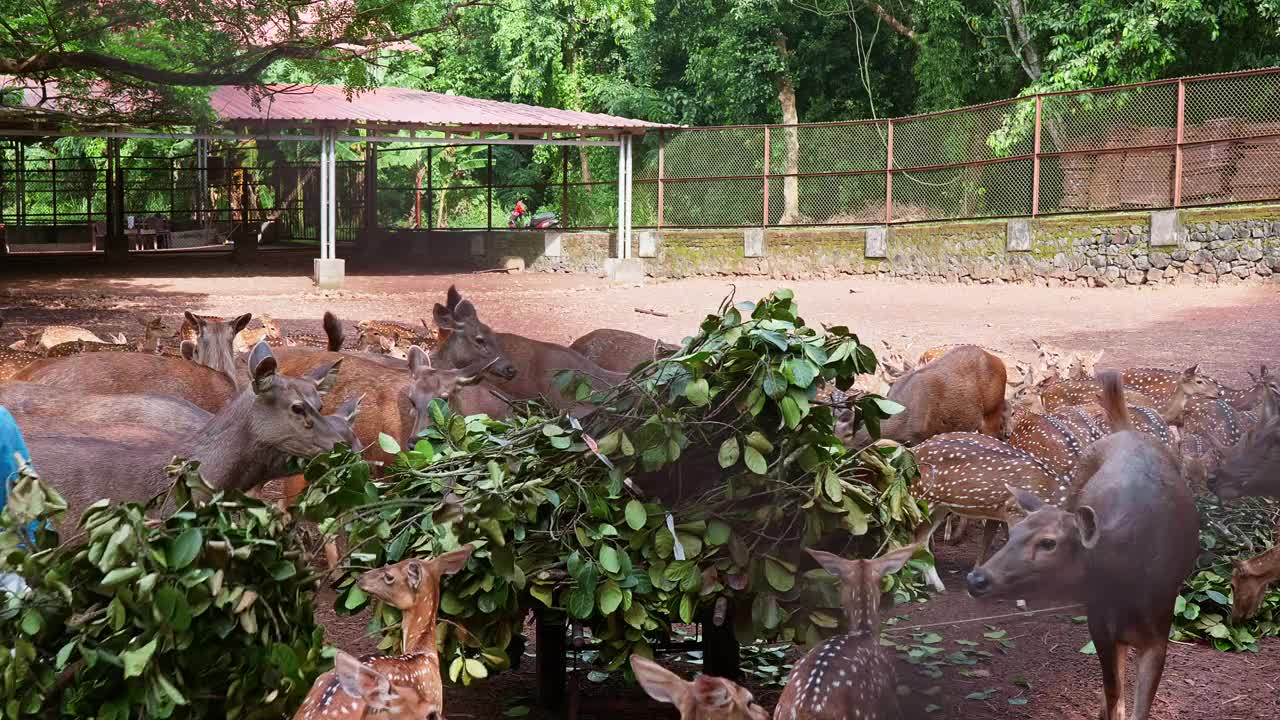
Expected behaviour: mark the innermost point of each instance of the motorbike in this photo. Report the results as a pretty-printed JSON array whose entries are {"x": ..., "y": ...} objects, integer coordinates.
[{"x": 521, "y": 218}]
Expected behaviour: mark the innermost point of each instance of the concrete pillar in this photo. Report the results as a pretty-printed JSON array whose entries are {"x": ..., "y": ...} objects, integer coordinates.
[
  {"x": 329, "y": 273},
  {"x": 753, "y": 242},
  {"x": 648, "y": 240},
  {"x": 552, "y": 244},
  {"x": 877, "y": 242},
  {"x": 1018, "y": 235},
  {"x": 478, "y": 244},
  {"x": 1167, "y": 228}
]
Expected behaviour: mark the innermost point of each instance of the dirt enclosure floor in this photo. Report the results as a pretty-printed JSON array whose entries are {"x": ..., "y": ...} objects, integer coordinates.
[{"x": 1034, "y": 670}]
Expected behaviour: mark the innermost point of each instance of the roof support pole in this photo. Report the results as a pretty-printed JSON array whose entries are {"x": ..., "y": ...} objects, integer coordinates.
[
  {"x": 622, "y": 192},
  {"x": 333, "y": 194},
  {"x": 626, "y": 241},
  {"x": 323, "y": 216}
]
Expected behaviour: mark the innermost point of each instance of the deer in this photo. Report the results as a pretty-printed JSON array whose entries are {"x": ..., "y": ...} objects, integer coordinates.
[
  {"x": 1252, "y": 468},
  {"x": 360, "y": 689},
  {"x": 1249, "y": 582},
  {"x": 247, "y": 337},
  {"x": 705, "y": 698},
  {"x": 961, "y": 391},
  {"x": 1123, "y": 544},
  {"x": 245, "y": 444},
  {"x": 533, "y": 364},
  {"x": 969, "y": 475},
  {"x": 1166, "y": 390},
  {"x": 14, "y": 362},
  {"x": 413, "y": 587},
  {"x": 1058, "y": 439},
  {"x": 848, "y": 673},
  {"x": 206, "y": 375},
  {"x": 1055, "y": 363},
  {"x": 55, "y": 335},
  {"x": 620, "y": 350},
  {"x": 153, "y": 334},
  {"x": 41, "y": 409}
]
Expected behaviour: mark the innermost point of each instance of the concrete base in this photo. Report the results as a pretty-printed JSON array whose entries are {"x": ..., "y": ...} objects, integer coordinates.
[
  {"x": 753, "y": 242},
  {"x": 329, "y": 274},
  {"x": 1167, "y": 228},
  {"x": 1018, "y": 235},
  {"x": 552, "y": 245},
  {"x": 630, "y": 270},
  {"x": 877, "y": 242},
  {"x": 478, "y": 245},
  {"x": 648, "y": 241}
]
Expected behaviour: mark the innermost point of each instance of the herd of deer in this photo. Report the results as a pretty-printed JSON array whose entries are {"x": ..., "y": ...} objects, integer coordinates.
[{"x": 1092, "y": 475}]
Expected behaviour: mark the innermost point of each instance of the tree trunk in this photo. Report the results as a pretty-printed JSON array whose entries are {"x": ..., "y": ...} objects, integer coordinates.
[{"x": 790, "y": 117}]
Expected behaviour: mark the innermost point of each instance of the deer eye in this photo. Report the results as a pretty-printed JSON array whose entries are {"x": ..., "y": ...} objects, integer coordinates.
[
  {"x": 298, "y": 408},
  {"x": 1047, "y": 544},
  {"x": 388, "y": 578}
]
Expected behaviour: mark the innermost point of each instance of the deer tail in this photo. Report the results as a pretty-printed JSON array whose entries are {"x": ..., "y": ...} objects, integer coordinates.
[
  {"x": 1112, "y": 399},
  {"x": 333, "y": 329}
]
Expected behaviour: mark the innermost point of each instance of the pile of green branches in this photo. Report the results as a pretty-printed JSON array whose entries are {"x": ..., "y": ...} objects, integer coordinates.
[
  {"x": 703, "y": 477},
  {"x": 1228, "y": 532},
  {"x": 205, "y": 614}
]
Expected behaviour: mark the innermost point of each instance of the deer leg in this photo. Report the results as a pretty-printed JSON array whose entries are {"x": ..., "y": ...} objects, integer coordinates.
[
  {"x": 1150, "y": 667},
  {"x": 1111, "y": 654},
  {"x": 924, "y": 537}
]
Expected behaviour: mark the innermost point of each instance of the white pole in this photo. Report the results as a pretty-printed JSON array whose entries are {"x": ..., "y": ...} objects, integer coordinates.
[
  {"x": 622, "y": 193},
  {"x": 333, "y": 193},
  {"x": 324, "y": 197},
  {"x": 630, "y": 175}
]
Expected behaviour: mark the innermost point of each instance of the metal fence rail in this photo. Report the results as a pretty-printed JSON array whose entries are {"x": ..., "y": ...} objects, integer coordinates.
[{"x": 1205, "y": 140}]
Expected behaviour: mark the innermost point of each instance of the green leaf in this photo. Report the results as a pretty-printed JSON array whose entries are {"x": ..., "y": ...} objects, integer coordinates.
[
  {"x": 718, "y": 532},
  {"x": 476, "y": 669},
  {"x": 455, "y": 669},
  {"x": 698, "y": 392},
  {"x": 518, "y": 711},
  {"x": 31, "y": 621},
  {"x": 65, "y": 654},
  {"x": 561, "y": 442},
  {"x": 729, "y": 452},
  {"x": 888, "y": 407},
  {"x": 581, "y": 602},
  {"x": 609, "y": 559},
  {"x": 686, "y": 608},
  {"x": 791, "y": 414},
  {"x": 1018, "y": 701},
  {"x": 542, "y": 593},
  {"x": 755, "y": 461},
  {"x": 1088, "y": 649},
  {"x": 283, "y": 570},
  {"x": 388, "y": 444},
  {"x": 355, "y": 598},
  {"x": 981, "y": 695},
  {"x": 774, "y": 384},
  {"x": 780, "y": 577},
  {"x": 552, "y": 430},
  {"x": 636, "y": 515},
  {"x": 610, "y": 597},
  {"x": 1218, "y": 597},
  {"x": 831, "y": 485},
  {"x": 184, "y": 549},
  {"x": 757, "y": 440},
  {"x": 135, "y": 661}
]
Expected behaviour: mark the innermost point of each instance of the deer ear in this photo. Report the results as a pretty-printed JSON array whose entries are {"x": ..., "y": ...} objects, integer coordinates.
[
  {"x": 712, "y": 692},
  {"x": 892, "y": 562},
  {"x": 418, "y": 360},
  {"x": 350, "y": 408},
  {"x": 189, "y": 350},
  {"x": 1190, "y": 372},
  {"x": 1087, "y": 520},
  {"x": 1270, "y": 407},
  {"x": 413, "y": 571},
  {"x": 242, "y": 322},
  {"x": 833, "y": 564},
  {"x": 660, "y": 683},
  {"x": 196, "y": 321},
  {"x": 325, "y": 376},
  {"x": 1036, "y": 342},
  {"x": 453, "y": 297},
  {"x": 262, "y": 367},
  {"x": 361, "y": 681},
  {"x": 465, "y": 312},
  {"x": 452, "y": 562},
  {"x": 443, "y": 317},
  {"x": 1026, "y": 500}
]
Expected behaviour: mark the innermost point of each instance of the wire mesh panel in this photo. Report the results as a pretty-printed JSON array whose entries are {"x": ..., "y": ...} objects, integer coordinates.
[
  {"x": 828, "y": 200},
  {"x": 984, "y": 133},
  {"x": 990, "y": 190},
  {"x": 1103, "y": 119},
  {"x": 713, "y": 203},
  {"x": 715, "y": 153}
]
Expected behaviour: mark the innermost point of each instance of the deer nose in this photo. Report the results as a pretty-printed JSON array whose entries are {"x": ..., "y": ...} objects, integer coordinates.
[
  {"x": 1212, "y": 482},
  {"x": 979, "y": 582}
]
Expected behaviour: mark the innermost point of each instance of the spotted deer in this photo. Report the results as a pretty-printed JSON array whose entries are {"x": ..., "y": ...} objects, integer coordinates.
[
  {"x": 1058, "y": 439},
  {"x": 1249, "y": 582},
  {"x": 1055, "y": 363},
  {"x": 969, "y": 475},
  {"x": 1165, "y": 390},
  {"x": 246, "y": 338},
  {"x": 1123, "y": 544},
  {"x": 55, "y": 335},
  {"x": 247, "y": 443},
  {"x": 848, "y": 674},
  {"x": 413, "y": 587},
  {"x": 14, "y": 362},
  {"x": 705, "y": 698},
  {"x": 1252, "y": 468},
  {"x": 360, "y": 689},
  {"x": 961, "y": 391}
]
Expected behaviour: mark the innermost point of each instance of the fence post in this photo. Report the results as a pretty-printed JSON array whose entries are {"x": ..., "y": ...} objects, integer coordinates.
[
  {"x": 1177, "y": 148},
  {"x": 1035, "y": 161},
  {"x": 768, "y": 143},
  {"x": 564, "y": 186},
  {"x": 489, "y": 187},
  {"x": 888, "y": 176},
  {"x": 173, "y": 191},
  {"x": 662, "y": 171},
  {"x": 53, "y": 185},
  {"x": 431, "y": 196}
]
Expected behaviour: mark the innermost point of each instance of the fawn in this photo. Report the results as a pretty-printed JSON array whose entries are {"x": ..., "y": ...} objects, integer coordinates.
[{"x": 706, "y": 698}]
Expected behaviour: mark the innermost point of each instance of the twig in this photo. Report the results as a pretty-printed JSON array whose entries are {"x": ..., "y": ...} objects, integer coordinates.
[
  {"x": 651, "y": 311},
  {"x": 1006, "y": 616}
]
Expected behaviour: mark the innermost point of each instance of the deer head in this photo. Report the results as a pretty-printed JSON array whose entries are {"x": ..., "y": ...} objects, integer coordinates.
[
  {"x": 358, "y": 689},
  {"x": 470, "y": 340},
  {"x": 1251, "y": 468},
  {"x": 214, "y": 343},
  {"x": 1045, "y": 552},
  {"x": 1249, "y": 582},
  {"x": 413, "y": 587},
  {"x": 860, "y": 584},
  {"x": 706, "y": 698},
  {"x": 430, "y": 383}
]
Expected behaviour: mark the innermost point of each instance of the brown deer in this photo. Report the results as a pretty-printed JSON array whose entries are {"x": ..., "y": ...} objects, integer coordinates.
[
  {"x": 13, "y": 362},
  {"x": 244, "y": 445},
  {"x": 413, "y": 587},
  {"x": 1166, "y": 390},
  {"x": 533, "y": 364},
  {"x": 848, "y": 674},
  {"x": 969, "y": 475},
  {"x": 1253, "y": 467},
  {"x": 41, "y": 409},
  {"x": 705, "y": 698},
  {"x": 362, "y": 688},
  {"x": 1249, "y": 582},
  {"x": 619, "y": 350},
  {"x": 153, "y": 334},
  {"x": 961, "y": 391},
  {"x": 1124, "y": 543}
]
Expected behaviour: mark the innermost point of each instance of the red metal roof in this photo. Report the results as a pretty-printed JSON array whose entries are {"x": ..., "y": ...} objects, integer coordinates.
[{"x": 402, "y": 106}]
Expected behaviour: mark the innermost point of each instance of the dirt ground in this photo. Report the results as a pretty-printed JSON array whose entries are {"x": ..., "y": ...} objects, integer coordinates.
[{"x": 1227, "y": 330}]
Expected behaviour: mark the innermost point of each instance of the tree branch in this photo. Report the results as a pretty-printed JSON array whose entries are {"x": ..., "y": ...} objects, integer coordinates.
[
  {"x": 898, "y": 26},
  {"x": 1024, "y": 48}
]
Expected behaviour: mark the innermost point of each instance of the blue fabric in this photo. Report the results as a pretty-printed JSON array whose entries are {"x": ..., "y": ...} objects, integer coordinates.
[{"x": 11, "y": 442}]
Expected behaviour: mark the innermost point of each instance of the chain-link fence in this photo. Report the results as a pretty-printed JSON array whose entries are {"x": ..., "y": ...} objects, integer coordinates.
[{"x": 1191, "y": 141}]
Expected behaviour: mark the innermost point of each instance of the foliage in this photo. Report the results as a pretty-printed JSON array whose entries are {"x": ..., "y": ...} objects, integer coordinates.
[
  {"x": 702, "y": 477},
  {"x": 1203, "y": 610},
  {"x": 206, "y": 614}
]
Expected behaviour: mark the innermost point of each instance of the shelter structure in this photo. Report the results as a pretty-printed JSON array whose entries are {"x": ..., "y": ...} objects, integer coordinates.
[{"x": 324, "y": 118}]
